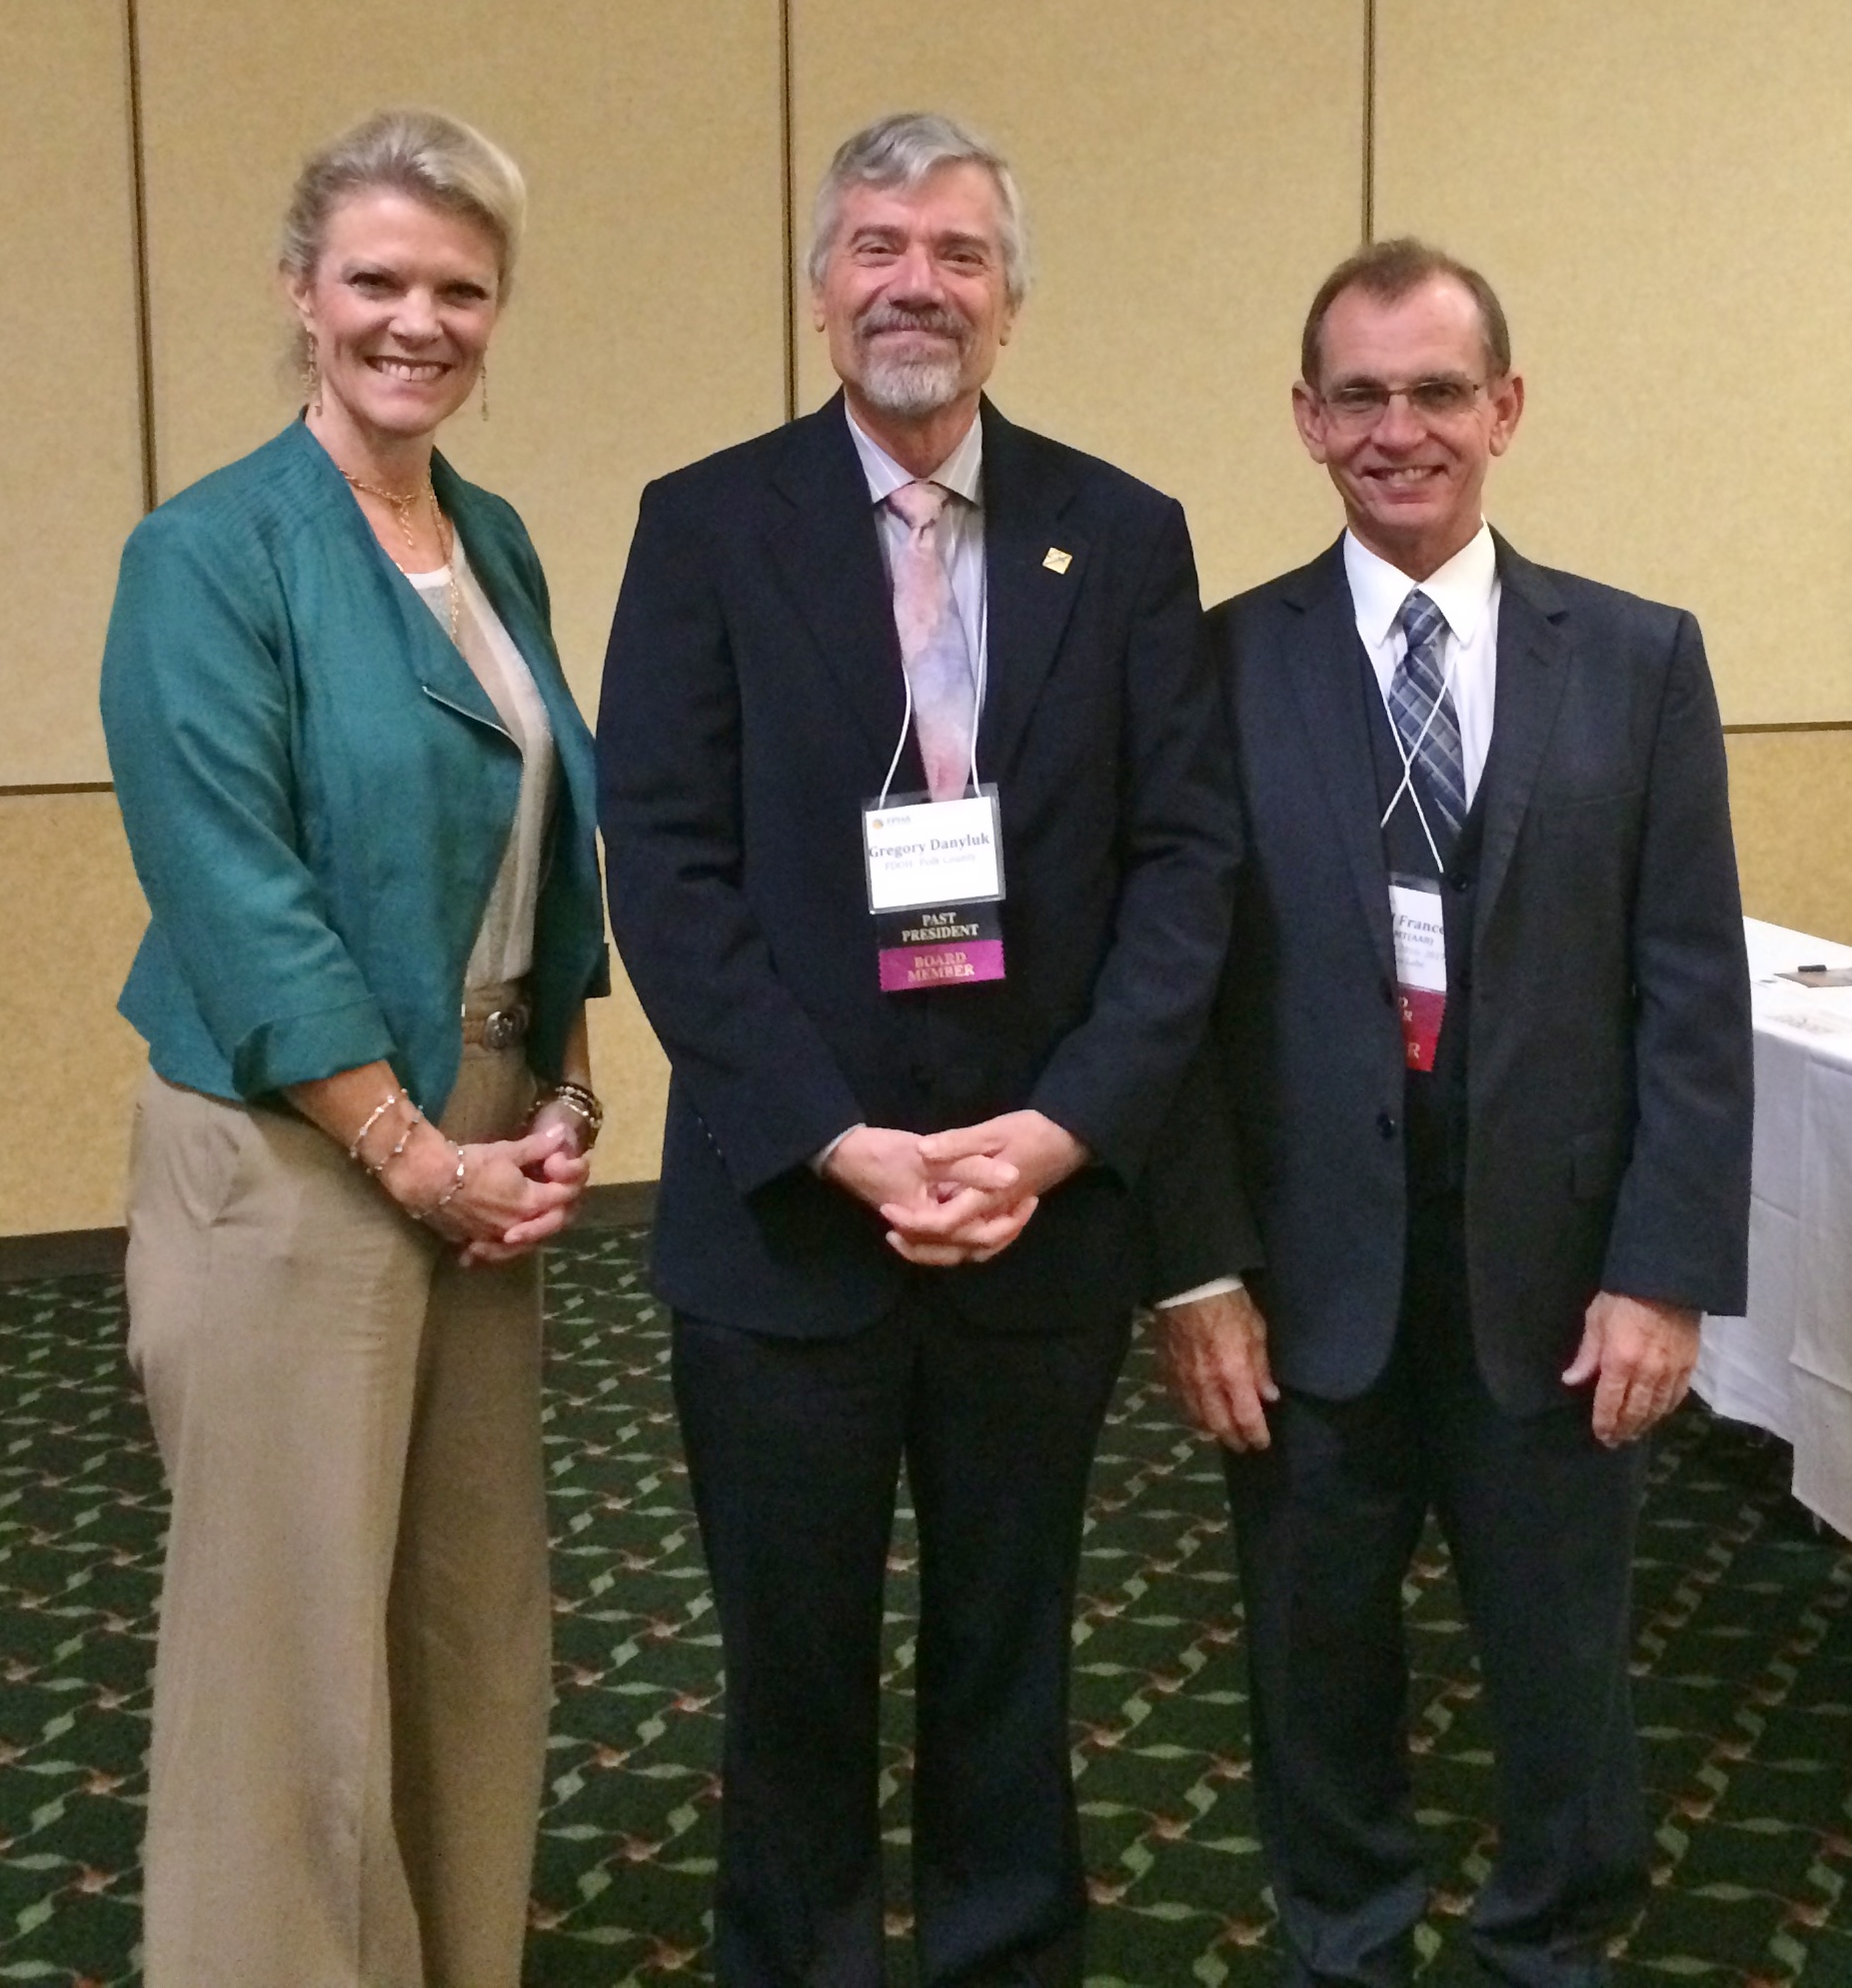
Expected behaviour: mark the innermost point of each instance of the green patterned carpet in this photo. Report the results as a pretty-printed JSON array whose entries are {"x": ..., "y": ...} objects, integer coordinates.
[{"x": 1744, "y": 1665}]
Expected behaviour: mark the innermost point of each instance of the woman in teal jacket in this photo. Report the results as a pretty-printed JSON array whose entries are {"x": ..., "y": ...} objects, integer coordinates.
[{"x": 360, "y": 802}]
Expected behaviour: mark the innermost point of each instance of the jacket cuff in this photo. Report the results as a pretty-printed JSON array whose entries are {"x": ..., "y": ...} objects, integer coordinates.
[{"x": 299, "y": 1049}]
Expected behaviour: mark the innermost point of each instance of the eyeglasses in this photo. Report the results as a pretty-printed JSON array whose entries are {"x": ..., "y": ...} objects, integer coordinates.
[{"x": 1362, "y": 404}]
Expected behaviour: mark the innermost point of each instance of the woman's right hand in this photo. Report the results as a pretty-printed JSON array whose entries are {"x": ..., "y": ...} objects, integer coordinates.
[{"x": 515, "y": 1193}]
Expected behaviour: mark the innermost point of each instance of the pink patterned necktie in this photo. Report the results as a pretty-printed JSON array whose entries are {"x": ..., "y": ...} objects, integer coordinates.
[{"x": 934, "y": 650}]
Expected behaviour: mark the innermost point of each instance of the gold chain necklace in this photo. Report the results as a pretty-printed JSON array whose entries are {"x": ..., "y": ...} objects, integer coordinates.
[{"x": 402, "y": 503}]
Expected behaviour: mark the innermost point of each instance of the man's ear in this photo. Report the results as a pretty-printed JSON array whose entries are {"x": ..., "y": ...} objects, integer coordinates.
[
  {"x": 1308, "y": 419},
  {"x": 1506, "y": 398}
]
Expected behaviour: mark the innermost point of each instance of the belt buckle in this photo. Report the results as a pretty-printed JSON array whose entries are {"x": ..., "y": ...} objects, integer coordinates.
[{"x": 504, "y": 1029}]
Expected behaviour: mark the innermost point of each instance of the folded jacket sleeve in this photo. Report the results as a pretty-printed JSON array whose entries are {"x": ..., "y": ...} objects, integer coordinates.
[{"x": 197, "y": 713}]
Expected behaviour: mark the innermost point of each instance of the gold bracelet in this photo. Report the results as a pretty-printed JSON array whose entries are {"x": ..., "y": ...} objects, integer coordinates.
[
  {"x": 405, "y": 1139},
  {"x": 581, "y": 1102},
  {"x": 450, "y": 1192},
  {"x": 373, "y": 1118}
]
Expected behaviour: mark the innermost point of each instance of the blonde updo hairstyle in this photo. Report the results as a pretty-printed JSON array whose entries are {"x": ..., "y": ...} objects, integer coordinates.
[{"x": 438, "y": 160}]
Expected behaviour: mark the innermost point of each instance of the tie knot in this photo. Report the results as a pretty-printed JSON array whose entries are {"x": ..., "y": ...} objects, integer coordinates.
[
  {"x": 1421, "y": 620},
  {"x": 919, "y": 503}
]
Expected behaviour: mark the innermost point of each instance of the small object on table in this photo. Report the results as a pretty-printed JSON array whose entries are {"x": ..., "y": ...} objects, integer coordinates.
[{"x": 1820, "y": 976}]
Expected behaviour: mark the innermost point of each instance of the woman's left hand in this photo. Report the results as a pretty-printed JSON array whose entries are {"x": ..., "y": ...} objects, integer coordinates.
[{"x": 562, "y": 1165}]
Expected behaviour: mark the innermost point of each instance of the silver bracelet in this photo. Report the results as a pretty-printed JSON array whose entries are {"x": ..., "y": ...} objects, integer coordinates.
[{"x": 373, "y": 1118}]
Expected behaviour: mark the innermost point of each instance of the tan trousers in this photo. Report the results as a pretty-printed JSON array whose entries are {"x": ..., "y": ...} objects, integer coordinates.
[{"x": 351, "y": 1681}]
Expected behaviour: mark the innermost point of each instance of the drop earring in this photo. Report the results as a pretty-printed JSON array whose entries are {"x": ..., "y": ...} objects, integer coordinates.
[
  {"x": 312, "y": 379},
  {"x": 482, "y": 380}
]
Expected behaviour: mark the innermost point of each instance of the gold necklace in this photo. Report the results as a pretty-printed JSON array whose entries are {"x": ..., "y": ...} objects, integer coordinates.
[
  {"x": 401, "y": 500},
  {"x": 402, "y": 503}
]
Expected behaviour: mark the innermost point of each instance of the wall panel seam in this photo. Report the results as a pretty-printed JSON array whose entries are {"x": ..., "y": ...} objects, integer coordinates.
[
  {"x": 144, "y": 307},
  {"x": 1796, "y": 724},
  {"x": 28, "y": 788},
  {"x": 789, "y": 169},
  {"x": 1370, "y": 120}
]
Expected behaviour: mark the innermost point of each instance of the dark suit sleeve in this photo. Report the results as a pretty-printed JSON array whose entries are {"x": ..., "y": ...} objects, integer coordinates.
[
  {"x": 1112, "y": 1079},
  {"x": 1681, "y": 1222},
  {"x": 1196, "y": 1223},
  {"x": 758, "y": 1072}
]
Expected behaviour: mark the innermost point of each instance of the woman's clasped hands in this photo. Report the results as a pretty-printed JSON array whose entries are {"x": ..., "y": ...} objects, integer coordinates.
[{"x": 495, "y": 1201}]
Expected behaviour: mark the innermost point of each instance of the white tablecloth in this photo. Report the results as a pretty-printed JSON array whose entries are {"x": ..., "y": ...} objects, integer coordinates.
[{"x": 1787, "y": 1367}]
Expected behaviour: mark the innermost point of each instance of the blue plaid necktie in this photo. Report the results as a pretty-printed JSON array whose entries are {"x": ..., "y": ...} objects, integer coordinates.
[{"x": 1418, "y": 687}]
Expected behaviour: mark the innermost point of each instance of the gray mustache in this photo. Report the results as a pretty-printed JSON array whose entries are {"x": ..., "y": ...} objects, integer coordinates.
[{"x": 890, "y": 319}]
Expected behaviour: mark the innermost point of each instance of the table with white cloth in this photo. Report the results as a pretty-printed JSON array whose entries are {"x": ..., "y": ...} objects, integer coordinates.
[{"x": 1787, "y": 1365}]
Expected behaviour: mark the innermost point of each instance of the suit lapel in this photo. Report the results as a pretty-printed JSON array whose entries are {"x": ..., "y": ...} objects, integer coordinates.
[
  {"x": 1323, "y": 657},
  {"x": 1027, "y": 602},
  {"x": 822, "y": 537},
  {"x": 1533, "y": 654}
]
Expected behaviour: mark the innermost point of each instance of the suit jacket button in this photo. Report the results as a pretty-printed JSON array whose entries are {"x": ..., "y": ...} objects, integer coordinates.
[
  {"x": 1460, "y": 880},
  {"x": 1385, "y": 1124}
]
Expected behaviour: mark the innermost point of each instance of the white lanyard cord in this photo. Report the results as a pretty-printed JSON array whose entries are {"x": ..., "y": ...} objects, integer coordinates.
[
  {"x": 906, "y": 716},
  {"x": 899, "y": 745},
  {"x": 1407, "y": 758}
]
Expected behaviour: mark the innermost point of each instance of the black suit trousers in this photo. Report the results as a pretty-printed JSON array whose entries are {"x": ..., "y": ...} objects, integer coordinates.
[
  {"x": 1540, "y": 1521},
  {"x": 795, "y": 1447}
]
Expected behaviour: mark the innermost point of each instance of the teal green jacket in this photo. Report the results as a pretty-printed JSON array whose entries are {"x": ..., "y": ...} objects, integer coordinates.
[{"x": 318, "y": 792}]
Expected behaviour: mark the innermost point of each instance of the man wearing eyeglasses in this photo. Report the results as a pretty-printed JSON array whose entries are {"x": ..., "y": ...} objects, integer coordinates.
[{"x": 1469, "y": 1150}]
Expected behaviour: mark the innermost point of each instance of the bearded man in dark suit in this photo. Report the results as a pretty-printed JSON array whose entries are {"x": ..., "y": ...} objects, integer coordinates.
[
  {"x": 1470, "y": 1149},
  {"x": 896, "y": 1214}
]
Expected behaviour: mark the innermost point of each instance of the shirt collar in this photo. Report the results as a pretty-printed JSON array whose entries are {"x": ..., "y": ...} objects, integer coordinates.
[
  {"x": 1461, "y": 590},
  {"x": 962, "y": 472}
]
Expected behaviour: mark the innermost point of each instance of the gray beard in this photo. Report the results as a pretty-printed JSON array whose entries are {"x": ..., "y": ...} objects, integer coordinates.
[{"x": 910, "y": 387}]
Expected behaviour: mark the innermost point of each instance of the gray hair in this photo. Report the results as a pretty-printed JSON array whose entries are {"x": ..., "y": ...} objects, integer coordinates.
[
  {"x": 438, "y": 160},
  {"x": 900, "y": 151}
]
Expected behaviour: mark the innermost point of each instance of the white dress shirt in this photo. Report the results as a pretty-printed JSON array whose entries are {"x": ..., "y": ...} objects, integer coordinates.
[
  {"x": 960, "y": 531},
  {"x": 1466, "y": 591}
]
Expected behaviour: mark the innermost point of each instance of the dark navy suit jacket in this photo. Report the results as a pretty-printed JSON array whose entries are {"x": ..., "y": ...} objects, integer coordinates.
[
  {"x": 753, "y": 700},
  {"x": 1610, "y": 1073}
]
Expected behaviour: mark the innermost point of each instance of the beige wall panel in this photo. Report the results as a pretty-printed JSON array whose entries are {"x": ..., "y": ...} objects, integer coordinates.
[
  {"x": 74, "y": 916},
  {"x": 1659, "y": 190},
  {"x": 70, "y": 424},
  {"x": 1192, "y": 168},
  {"x": 648, "y": 323},
  {"x": 1793, "y": 835},
  {"x": 647, "y": 327}
]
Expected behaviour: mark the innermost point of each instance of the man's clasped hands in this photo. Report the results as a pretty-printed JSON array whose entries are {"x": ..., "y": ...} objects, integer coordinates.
[{"x": 955, "y": 1197}]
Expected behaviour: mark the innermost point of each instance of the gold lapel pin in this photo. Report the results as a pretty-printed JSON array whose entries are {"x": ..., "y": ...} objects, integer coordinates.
[{"x": 1056, "y": 561}]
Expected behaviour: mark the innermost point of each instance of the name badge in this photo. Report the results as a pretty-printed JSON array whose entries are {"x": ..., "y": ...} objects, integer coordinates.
[
  {"x": 936, "y": 880},
  {"x": 1420, "y": 937}
]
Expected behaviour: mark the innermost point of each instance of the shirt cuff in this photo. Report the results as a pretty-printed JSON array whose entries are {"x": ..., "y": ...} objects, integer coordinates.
[
  {"x": 820, "y": 1157},
  {"x": 1215, "y": 1288}
]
